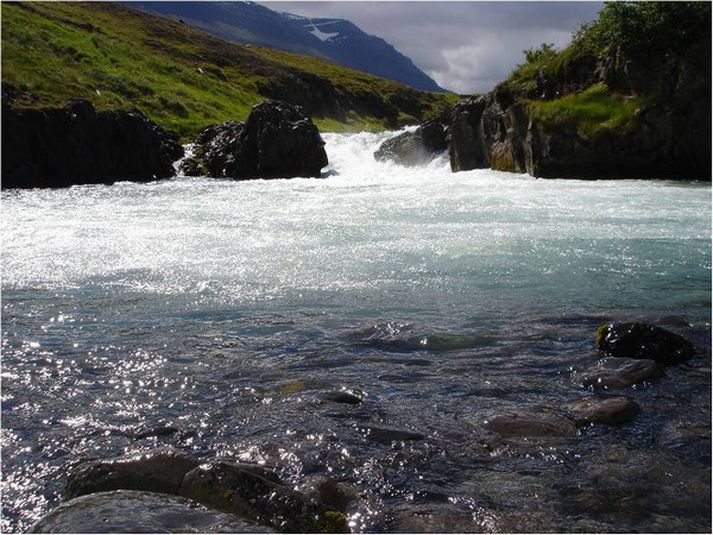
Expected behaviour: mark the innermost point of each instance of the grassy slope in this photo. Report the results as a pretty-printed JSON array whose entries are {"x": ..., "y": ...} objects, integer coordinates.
[{"x": 181, "y": 78}]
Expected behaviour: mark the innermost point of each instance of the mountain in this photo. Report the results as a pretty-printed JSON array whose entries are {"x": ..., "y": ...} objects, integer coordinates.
[
  {"x": 335, "y": 40},
  {"x": 182, "y": 78}
]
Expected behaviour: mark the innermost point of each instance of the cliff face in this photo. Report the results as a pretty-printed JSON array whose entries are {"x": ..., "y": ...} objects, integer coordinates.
[{"x": 617, "y": 114}]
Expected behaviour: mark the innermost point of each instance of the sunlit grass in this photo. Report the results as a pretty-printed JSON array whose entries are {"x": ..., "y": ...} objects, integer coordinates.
[{"x": 181, "y": 78}]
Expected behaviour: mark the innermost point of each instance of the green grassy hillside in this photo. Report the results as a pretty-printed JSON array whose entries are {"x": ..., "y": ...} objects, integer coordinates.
[{"x": 182, "y": 78}]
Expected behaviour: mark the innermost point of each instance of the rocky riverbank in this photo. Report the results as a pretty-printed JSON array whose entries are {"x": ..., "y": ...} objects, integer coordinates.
[
  {"x": 607, "y": 106},
  {"x": 60, "y": 147},
  {"x": 167, "y": 489},
  {"x": 78, "y": 145}
]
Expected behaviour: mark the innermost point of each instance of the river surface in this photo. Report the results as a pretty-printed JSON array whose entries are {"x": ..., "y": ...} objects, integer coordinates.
[{"x": 215, "y": 316}]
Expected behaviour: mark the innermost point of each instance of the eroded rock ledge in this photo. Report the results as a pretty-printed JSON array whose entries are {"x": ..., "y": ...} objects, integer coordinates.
[{"x": 61, "y": 147}]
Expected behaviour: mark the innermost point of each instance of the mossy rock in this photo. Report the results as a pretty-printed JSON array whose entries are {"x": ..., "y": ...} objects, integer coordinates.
[{"x": 643, "y": 341}]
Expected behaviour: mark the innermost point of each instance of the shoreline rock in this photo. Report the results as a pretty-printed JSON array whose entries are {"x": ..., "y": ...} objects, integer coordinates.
[
  {"x": 610, "y": 411},
  {"x": 61, "y": 147}
]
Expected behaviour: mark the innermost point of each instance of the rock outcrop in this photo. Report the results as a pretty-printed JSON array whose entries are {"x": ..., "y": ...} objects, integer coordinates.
[
  {"x": 649, "y": 113},
  {"x": 78, "y": 145},
  {"x": 277, "y": 141},
  {"x": 417, "y": 147}
]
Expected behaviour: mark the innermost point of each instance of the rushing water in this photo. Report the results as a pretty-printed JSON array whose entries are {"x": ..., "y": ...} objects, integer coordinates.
[{"x": 226, "y": 310}]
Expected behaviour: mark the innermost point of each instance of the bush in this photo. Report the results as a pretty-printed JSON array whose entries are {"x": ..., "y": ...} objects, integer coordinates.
[{"x": 645, "y": 29}]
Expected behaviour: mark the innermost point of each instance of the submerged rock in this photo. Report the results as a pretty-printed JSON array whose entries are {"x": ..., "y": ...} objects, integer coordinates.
[
  {"x": 129, "y": 511},
  {"x": 404, "y": 337},
  {"x": 524, "y": 425},
  {"x": 616, "y": 373},
  {"x": 643, "y": 341},
  {"x": 61, "y": 147},
  {"x": 240, "y": 490},
  {"x": 343, "y": 397},
  {"x": 383, "y": 435},
  {"x": 615, "y": 410},
  {"x": 160, "y": 431},
  {"x": 157, "y": 471},
  {"x": 415, "y": 148},
  {"x": 331, "y": 493},
  {"x": 277, "y": 141}
]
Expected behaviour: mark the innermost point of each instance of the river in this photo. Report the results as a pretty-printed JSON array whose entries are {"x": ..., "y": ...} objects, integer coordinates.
[{"x": 225, "y": 311}]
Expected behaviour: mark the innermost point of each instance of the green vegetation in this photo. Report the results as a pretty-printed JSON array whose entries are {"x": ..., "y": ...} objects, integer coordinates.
[
  {"x": 635, "y": 30},
  {"x": 181, "y": 78},
  {"x": 555, "y": 83},
  {"x": 645, "y": 29},
  {"x": 593, "y": 111}
]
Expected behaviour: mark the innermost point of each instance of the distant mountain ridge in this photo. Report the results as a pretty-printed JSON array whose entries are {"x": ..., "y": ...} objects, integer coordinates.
[{"x": 336, "y": 40}]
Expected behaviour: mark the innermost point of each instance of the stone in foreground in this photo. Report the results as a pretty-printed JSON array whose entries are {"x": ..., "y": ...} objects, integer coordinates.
[
  {"x": 130, "y": 511},
  {"x": 156, "y": 471},
  {"x": 643, "y": 341},
  {"x": 240, "y": 490}
]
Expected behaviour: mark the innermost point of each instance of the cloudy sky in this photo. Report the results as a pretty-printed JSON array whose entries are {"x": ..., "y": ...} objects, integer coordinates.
[{"x": 466, "y": 47}]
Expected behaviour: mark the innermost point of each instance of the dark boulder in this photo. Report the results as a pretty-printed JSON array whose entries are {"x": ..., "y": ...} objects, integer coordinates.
[
  {"x": 59, "y": 147},
  {"x": 387, "y": 436},
  {"x": 417, "y": 147},
  {"x": 277, "y": 141},
  {"x": 217, "y": 148},
  {"x": 343, "y": 397},
  {"x": 246, "y": 490},
  {"x": 489, "y": 131},
  {"x": 642, "y": 341}
]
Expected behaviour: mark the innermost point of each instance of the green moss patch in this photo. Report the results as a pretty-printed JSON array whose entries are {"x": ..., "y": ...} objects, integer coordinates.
[{"x": 593, "y": 111}]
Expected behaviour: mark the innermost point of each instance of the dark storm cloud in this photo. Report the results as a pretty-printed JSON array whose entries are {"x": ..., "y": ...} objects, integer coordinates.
[{"x": 465, "y": 46}]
